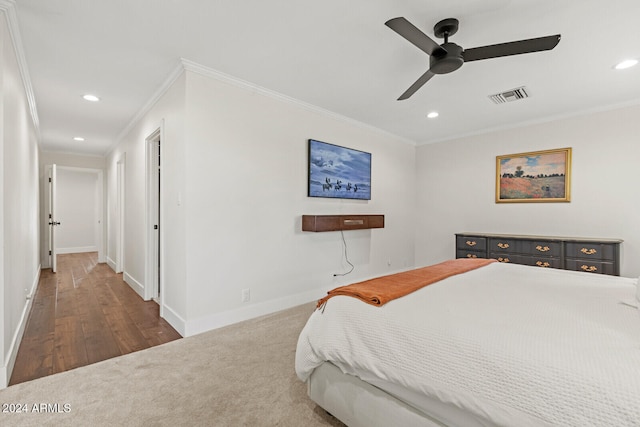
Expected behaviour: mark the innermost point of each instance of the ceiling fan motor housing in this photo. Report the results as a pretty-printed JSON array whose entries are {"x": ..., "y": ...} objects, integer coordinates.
[{"x": 447, "y": 59}]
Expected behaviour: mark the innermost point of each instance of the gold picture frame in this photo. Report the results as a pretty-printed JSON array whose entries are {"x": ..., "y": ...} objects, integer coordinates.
[{"x": 537, "y": 176}]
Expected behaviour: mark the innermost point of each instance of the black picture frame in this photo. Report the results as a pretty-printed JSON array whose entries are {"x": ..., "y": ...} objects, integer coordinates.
[{"x": 338, "y": 172}]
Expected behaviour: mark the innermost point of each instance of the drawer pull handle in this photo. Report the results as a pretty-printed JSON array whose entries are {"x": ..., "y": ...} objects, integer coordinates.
[
  {"x": 543, "y": 248},
  {"x": 471, "y": 243},
  {"x": 503, "y": 259},
  {"x": 588, "y": 251},
  {"x": 589, "y": 268},
  {"x": 542, "y": 264},
  {"x": 503, "y": 245},
  {"x": 472, "y": 256},
  {"x": 353, "y": 222}
]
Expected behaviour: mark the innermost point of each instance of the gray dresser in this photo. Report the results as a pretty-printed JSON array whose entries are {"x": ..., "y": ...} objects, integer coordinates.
[{"x": 568, "y": 253}]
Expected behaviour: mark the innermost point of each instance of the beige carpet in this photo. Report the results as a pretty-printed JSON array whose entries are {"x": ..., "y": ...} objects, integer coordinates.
[{"x": 240, "y": 375}]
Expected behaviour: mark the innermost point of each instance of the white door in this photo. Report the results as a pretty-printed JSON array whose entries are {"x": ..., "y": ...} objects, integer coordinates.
[
  {"x": 52, "y": 218},
  {"x": 152, "y": 291},
  {"x": 155, "y": 213}
]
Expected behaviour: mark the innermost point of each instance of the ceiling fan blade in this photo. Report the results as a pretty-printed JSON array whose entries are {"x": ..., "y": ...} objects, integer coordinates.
[
  {"x": 511, "y": 48},
  {"x": 417, "y": 85},
  {"x": 410, "y": 32}
]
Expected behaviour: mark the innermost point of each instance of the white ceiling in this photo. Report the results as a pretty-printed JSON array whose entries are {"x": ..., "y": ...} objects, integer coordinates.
[{"x": 337, "y": 55}]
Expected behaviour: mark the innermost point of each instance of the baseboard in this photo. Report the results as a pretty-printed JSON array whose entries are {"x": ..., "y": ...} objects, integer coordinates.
[
  {"x": 174, "y": 319},
  {"x": 225, "y": 318},
  {"x": 7, "y": 369},
  {"x": 218, "y": 320},
  {"x": 34, "y": 285},
  {"x": 111, "y": 263},
  {"x": 133, "y": 283}
]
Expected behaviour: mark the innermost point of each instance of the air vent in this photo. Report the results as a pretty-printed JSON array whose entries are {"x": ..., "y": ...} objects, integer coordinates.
[{"x": 510, "y": 95}]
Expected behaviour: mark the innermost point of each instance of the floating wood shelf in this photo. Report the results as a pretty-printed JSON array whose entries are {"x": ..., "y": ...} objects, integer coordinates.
[{"x": 341, "y": 222}]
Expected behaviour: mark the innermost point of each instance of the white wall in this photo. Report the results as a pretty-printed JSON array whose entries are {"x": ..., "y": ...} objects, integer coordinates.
[
  {"x": 77, "y": 211},
  {"x": 456, "y": 186},
  {"x": 71, "y": 160},
  {"x": 19, "y": 206},
  {"x": 168, "y": 109},
  {"x": 247, "y": 189},
  {"x": 234, "y": 177}
]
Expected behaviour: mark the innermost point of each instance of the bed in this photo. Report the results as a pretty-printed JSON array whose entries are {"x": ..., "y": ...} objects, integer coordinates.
[{"x": 500, "y": 345}]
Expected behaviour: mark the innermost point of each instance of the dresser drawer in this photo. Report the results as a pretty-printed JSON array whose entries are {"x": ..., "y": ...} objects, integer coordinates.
[
  {"x": 542, "y": 248},
  {"x": 504, "y": 245},
  {"x": 461, "y": 253},
  {"x": 542, "y": 261},
  {"x": 591, "y": 251},
  {"x": 506, "y": 257},
  {"x": 471, "y": 243},
  {"x": 590, "y": 266}
]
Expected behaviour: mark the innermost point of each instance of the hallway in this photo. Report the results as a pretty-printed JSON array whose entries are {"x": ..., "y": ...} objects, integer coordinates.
[{"x": 83, "y": 314}]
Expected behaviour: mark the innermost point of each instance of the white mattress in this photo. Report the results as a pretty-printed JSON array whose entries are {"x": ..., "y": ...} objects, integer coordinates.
[{"x": 506, "y": 344}]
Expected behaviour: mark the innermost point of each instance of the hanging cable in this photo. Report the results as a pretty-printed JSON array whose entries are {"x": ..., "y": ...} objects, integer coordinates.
[{"x": 346, "y": 256}]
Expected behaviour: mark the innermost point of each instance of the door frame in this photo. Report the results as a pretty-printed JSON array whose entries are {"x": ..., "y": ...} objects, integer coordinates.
[
  {"x": 101, "y": 226},
  {"x": 51, "y": 221},
  {"x": 120, "y": 211},
  {"x": 154, "y": 259},
  {"x": 102, "y": 214}
]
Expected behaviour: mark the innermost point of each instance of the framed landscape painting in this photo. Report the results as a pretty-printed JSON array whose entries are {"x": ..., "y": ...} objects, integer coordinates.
[
  {"x": 539, "y": 176},
  {"x": 338, "y": 172}
]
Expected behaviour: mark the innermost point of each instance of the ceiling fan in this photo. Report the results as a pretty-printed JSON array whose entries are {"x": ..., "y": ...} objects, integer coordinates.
[{"x": 448, "y": 56}]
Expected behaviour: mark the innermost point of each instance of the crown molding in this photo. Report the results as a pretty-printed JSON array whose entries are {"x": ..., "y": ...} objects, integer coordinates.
[
  {"x": 187, "y": 65},
  {"x": 164, "y": 87},
  {"x": 542, "y": 120},
  {"x": 243, "y": 84},
  {"x": 8, "y": 7}
]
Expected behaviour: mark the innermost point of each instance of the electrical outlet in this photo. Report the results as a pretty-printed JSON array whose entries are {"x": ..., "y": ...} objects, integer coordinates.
[{"x": 246, "y": 295}]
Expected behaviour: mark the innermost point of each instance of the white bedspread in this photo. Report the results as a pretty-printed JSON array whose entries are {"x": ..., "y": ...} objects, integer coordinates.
[{"x": 510, "y": 344}]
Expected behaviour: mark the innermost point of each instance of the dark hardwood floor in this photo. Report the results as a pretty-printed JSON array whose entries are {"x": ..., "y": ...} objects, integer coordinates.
[{"x": 83, "y": 314}]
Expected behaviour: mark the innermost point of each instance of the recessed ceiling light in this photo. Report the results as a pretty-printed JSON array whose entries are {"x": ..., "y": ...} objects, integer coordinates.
[
  {"x": 627, "y": 63},
  {"x": 433, "y": 115},
  {"x": 78, "y": 138},
  {"x": 91, "y": 98}
]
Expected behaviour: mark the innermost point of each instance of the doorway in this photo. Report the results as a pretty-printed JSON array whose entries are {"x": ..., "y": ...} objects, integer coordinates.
[{"x": 74, "y": 196}]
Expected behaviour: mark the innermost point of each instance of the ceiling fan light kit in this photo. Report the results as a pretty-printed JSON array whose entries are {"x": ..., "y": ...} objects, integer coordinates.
[{"x": 448, "y": 56}]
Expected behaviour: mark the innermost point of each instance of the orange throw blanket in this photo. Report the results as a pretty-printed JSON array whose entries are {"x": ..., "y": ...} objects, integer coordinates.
[{"x": 381, "y": 290}]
